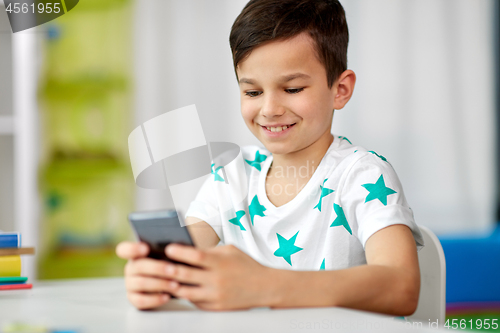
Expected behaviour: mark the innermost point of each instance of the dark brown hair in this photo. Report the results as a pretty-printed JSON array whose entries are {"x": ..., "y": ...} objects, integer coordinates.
[{"x": 263, "y": 21}]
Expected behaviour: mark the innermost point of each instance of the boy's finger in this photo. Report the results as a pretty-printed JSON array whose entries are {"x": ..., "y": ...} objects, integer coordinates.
[
  {"x": 187, "y": 274},
  {"x": 149, "y": 284},
  {"x": 147, "y": 301},
  {"x": 194, "y": 294},
  {"x": 131, "y": 250},
  {"x": 189, "y": 255},
  {"x": 146, "y": 266}
]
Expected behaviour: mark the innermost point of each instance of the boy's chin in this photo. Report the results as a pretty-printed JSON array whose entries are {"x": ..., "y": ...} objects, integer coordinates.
[{"x": 277, "y": 149}]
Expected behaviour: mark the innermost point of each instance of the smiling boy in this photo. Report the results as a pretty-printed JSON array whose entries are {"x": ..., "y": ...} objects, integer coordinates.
[{"x": 340, "y": 235}]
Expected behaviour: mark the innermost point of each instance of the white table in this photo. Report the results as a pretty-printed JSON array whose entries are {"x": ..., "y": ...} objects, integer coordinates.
[{"x": 100, "y": 305}]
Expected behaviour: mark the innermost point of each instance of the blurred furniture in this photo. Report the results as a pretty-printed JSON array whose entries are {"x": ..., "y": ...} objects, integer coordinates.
[
  {"x": 18, "y": 135},
  {"x": 100, "y": 305},
  {"x": 86, "y": 113},
  {"x": 473, "y": 266},
  {"x": 432, "y": 300}
]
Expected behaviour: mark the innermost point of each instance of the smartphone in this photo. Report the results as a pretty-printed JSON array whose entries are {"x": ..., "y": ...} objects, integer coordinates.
[{"x": 158, "y": 229}]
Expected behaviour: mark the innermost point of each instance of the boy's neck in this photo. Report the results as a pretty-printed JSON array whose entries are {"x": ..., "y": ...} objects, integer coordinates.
[{"x": 310, "y": 156}]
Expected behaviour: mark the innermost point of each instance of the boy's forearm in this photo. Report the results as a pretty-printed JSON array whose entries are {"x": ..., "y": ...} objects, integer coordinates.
[{"x": 368, "y": 287}]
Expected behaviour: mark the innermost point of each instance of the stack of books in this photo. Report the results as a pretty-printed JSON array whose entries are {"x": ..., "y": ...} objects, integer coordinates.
[{"x": 10, "y": 261}]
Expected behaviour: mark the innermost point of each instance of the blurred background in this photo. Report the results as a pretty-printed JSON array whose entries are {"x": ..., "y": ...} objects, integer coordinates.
[{"x": 72, "y": 90}]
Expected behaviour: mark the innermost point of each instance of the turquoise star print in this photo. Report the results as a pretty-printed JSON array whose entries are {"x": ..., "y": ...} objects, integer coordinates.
[
  {"x": 259, "y": 158},
  {"x": 340, "y": 220},
  {"x": 236, "y": 220},
  {"x": 216, "y": 176},
  {"x": 322, "y": 268},
  {"x": 344, "y": 138},
  {"x": 287, "y": 248},
  {"x": 324, "y": 192},
  {"x": 256, "y": 208},
  {"x": 378, "y": 191},
  {"x": 380, "y": 156}
]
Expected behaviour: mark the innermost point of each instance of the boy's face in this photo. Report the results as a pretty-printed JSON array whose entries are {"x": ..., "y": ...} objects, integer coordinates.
[{"x": 282, "y": 83}]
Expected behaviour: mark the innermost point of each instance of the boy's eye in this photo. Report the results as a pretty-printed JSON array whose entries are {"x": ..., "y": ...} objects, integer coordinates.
[
  {"x": 253, "y": 93},
  {"x": 294, "y": 90}
]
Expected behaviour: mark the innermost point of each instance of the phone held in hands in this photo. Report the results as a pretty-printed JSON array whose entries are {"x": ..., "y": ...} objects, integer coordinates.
[{"x": 158, "y": 229}]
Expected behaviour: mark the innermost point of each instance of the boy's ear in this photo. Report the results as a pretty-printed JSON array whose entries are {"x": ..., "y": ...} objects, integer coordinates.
[{"x": 344, "y": 88}]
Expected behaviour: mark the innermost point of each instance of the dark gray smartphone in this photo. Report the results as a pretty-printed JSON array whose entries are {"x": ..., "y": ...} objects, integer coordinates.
[{"x": 158, "y": 229}]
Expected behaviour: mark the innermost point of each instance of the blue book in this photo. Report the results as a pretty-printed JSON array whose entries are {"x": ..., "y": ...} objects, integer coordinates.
[
  {"x": 9, "y": 283},
  {"x": 10, "y": 239}
]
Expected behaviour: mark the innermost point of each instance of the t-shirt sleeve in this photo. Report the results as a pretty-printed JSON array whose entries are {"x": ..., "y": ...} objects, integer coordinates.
[
  {"x": 205, "y": 207},
  {"x": 372, "y": 198}
]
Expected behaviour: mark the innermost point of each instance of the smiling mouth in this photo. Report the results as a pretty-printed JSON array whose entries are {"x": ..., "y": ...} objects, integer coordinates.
[{"x": 278, "y": 129}]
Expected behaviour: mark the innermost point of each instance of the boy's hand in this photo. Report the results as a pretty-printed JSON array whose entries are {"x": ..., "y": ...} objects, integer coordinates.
[
  {"x": 145, "y": 278},
  {"x": 225, "y": 277}
]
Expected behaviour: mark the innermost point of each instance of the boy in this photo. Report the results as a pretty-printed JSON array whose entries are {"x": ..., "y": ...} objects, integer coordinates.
[{"x": 340, "y": 235}]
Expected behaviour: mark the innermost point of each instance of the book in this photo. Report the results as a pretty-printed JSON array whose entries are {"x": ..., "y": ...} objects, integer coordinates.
[
  {"x": 16, "y": 286},
  {"x": 17, "y": 279},
  {"x": 10, "y": 283},
  {"x": 17, "y": 251},
  {"x": 10, "y": 266},
  {"x": 10, "y": 239}
]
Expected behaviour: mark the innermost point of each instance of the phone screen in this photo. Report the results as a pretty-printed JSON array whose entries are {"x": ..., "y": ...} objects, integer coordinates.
[{"x": 158, "y": 229}]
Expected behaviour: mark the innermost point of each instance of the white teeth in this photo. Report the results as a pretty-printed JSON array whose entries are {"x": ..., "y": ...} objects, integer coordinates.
[{"x": 277, "y": 129}]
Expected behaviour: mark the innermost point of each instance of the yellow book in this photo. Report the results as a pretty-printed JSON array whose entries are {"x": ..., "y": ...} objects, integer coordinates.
[
  {"x": 16, "y": 251},
  {"x": 10, "y": 266}
]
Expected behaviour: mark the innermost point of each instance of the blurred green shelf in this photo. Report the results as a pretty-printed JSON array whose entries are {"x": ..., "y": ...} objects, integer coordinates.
[
  {"x": 86, "y": 120},
  {"x": 81, "y": 264},
  {"x": 92, "y": 40},
  {"x": 86, "y": 203},
  {"x": 86, "y": 98}
]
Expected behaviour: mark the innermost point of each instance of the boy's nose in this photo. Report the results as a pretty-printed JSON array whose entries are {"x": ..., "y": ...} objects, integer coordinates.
[{"x": 272, "y": 107}]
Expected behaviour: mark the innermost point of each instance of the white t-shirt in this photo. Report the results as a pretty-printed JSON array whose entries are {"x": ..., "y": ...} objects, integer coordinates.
[{"x": 352, "y": 194}]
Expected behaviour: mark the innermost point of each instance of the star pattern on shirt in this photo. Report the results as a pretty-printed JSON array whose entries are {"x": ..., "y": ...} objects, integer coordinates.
[
  {"x": 287, "y": 247},
  {"x": 379, "y": 156},
  {"x": 259, "y": 158},
  {"x": 341, "y": 219},
  {"x": 378, "y": 191},
  {"x": 256, "y": 208},
  {"x": 324, "y": 192},
  {"x": 217, "y": 178},
  {"x": 344, "y": 138},
  {"x": 236, "y": 220}
]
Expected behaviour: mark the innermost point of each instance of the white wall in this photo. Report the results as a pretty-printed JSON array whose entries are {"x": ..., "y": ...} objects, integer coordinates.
[
  {"x": 182, "y": 57},
  {"x": 424, "y": 96},
  {"x": 6, "y": 138},
  {"x": 425, "y": 100}
]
